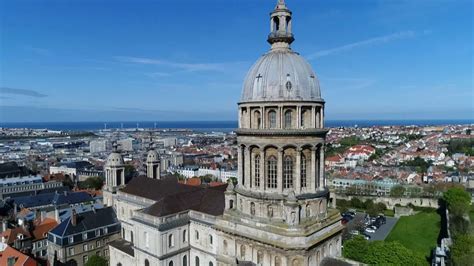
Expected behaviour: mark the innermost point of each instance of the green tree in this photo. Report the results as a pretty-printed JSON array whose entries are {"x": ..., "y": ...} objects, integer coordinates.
[
  {"x": 397, "y": 191},
  {"x": 380, "y": 253},
  {"x": 233, "y": 180},
  {"x": 95, "y": 260},
  {"x": 458, "y": 201},
  {"x": 462, "y": 251},
  {"x": 130, "y": 171},
  {"x": 357, "y": 203},
  {"x": 356, "y": 248},
  {"x": 94, "y": 182}
]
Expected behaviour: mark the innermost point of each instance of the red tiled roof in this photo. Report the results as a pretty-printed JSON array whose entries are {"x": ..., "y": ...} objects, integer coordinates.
[
  {"x": 20, "y": 258},
  {"x": 43, "y": 227}
]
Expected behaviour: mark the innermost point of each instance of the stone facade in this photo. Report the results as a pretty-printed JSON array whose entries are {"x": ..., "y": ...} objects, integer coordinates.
[{"x": 278, "y": 214}]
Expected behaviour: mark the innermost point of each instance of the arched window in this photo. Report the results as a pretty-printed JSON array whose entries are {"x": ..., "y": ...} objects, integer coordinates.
[
  {"x": 211, "y": 264},
  {"x": 147, "y": 263},
  {"x": 196, "y": 261},
  {"x": 231, "y": 204},
  {"x": 119, "y": 264},
  {"x": 197, "y": 234},
  {"x": 171, "y": 263},
  {"x": 242, "y": 251},
  {"x": 171, "y": 240},
  {"x": 303, "y": 171},
  {"x": 307, "y": 210},
  {"x": 185, "y": 233},
  {"x": 270, "y": 211},
  {"x": 257, "y": 170},
  {"x": 131, "y": 237},
  {"x": 288, "y": 116},
  {"x": 210, "y": 239},
  {"x": 252, "y": 208},
  {"x": 288, "y": 172},
  {"x": 185, "y": 260},
  {"x": 276, "y": 24},
  {"x": 257, "y": 120},
  {"x": 272, "y": 119},
  {"x": 303, "y": 124},
  {"x": 272, "y": 172}
]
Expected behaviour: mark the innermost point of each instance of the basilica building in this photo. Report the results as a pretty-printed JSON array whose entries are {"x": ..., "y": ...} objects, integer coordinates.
[{"x": 277, "y": 214}]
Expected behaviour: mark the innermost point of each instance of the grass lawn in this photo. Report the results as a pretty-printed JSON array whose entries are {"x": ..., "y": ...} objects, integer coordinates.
[{"x": 417, "y": 232}]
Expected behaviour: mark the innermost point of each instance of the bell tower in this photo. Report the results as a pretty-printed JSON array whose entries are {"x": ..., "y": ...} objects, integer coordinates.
[
  {"x": 279, "y": 209},
  {"x": 114, "y": 175},
  {"x": 153, "y": 169}
]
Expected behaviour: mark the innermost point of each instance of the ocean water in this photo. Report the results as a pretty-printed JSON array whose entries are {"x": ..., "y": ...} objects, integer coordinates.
[{"x": 213, "y": 125}]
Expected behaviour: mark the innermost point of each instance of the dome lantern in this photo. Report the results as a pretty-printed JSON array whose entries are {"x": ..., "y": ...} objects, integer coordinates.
[{"x": 280, "y": 27}]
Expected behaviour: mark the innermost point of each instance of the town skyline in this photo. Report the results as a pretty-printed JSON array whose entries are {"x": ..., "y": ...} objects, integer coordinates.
[{"x": 402, "y": 59}]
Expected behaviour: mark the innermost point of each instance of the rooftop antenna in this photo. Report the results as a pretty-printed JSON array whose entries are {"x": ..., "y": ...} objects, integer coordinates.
[
  {"x": 121, "y": 125},
  {"x": 155, "y": 126},
  {"x": 105, "y": 126},
  {"x": 137, "y": 125}
]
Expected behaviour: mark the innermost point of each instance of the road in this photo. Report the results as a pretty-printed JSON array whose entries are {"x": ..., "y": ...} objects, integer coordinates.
[{"x": 384, "y": 229}]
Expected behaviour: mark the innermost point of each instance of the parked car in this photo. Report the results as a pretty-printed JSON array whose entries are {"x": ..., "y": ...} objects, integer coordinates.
[
  {"x": 369, "y": 230},
  {"x": 354, "y": 232}
]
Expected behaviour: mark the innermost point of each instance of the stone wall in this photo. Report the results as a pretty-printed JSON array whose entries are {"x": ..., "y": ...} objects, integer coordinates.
[{"x": 391, "y": 202}]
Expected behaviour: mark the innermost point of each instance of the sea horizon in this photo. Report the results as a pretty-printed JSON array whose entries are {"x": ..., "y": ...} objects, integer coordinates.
[{"x": 221, "y": 125}]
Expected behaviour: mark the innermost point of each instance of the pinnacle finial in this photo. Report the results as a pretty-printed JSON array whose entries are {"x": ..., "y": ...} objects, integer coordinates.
[{"x": 115, "y": 145}]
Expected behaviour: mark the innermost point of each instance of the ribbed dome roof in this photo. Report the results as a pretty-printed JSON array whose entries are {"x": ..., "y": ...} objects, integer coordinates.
[
  {"x": 281, "y": 75},
  {"x": 115, "y": 159},
  {"x": 152, "y": 156}
]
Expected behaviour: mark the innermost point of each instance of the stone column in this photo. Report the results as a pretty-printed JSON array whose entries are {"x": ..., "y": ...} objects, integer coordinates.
[
  {"x": 297, "y": 178},
  {"x": 262, "y": 117},
  {"x": 280, "y": 170},
  {"x": 298, "y": 117},
  {"x": 313, "y": 117},
  {"x": 280, "y": 115},
  {"x": 247, "y": 167},
  {"x": 262, "y": 170},
  {"x": 313, "y": 180},
  {"x": 318, "y": 118},
  {"x": 322, "y": 117},
  {"x": 240, "y": 173},
  {"x": 240, "y": 117},
  {"x": 322, "y": 179}
]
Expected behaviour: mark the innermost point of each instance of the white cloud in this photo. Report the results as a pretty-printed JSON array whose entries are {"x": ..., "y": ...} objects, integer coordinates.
[
  {"x": 377, "y": 40},
  {"x": 183, "y": 66}
]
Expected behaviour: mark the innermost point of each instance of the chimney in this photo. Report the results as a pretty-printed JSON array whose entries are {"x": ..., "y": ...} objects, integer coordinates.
[
  {"x": 4, "y": 225},
  {"x": 38, "y": 216},
  {"x": 74, "y": 217},
  {"x": 56, "y": 215}
]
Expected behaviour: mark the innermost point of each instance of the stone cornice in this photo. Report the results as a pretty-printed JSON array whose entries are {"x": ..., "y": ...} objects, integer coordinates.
[
  {"x": 278, "y": 196},
  {"x": 282, "y": 132}
]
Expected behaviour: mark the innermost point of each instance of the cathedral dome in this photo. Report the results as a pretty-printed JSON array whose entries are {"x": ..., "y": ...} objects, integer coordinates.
[
  {"x": 115, "y": 159},
  {"x": 152, "y": 156},
  {"x": 281, "y": 75}
]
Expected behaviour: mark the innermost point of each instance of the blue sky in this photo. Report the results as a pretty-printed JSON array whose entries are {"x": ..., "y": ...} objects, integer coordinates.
[{"x": 186, "y": 60}]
